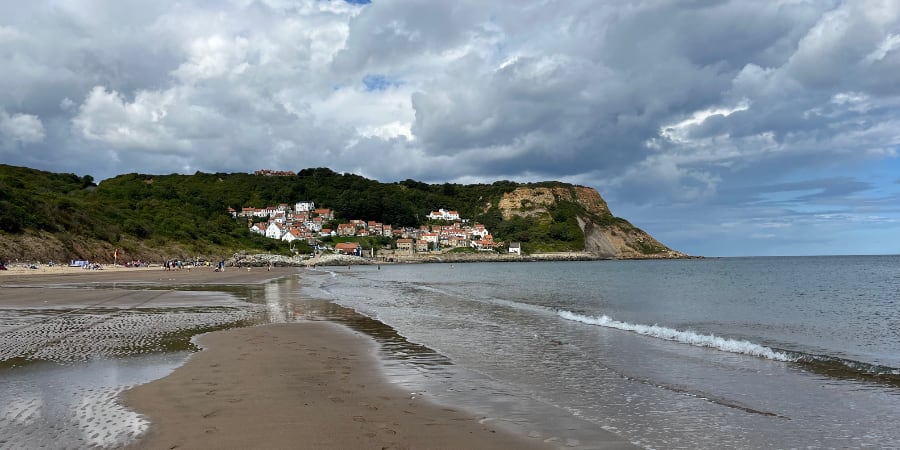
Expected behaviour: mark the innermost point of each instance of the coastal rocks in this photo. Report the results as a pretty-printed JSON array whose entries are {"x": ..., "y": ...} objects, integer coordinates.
[
  {"x": 243, "y": 259},
  {"x": 534, "y": 201},
  {"x": 330, "y": 259},
  {"x": 605, "y": 236}
]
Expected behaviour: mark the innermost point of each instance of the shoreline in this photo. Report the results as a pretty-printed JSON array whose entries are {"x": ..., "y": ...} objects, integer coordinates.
[
  {"x": 318, "y": 383},
  {"x": 314, "y": 383}
]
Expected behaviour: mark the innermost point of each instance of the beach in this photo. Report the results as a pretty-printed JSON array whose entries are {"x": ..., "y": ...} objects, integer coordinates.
[
  {"x": 309, "y": 384},
  {"x": 306, "y": 385}
]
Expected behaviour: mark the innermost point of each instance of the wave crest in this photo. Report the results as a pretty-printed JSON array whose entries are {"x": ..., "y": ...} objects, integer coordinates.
[{"x": 685, "y": 337}]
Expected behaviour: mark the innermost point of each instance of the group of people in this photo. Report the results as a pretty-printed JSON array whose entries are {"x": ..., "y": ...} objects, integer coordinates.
[
  {"x": 173, "y": 264},
  {"x": 177, "y": 264}
]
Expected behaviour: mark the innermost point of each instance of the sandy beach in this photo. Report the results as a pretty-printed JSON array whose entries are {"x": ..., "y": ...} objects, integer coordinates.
[
  {"x": 312, "y": 384},
  {"x": 305, "y": 385},
  {"x": 20, "y": 274}
]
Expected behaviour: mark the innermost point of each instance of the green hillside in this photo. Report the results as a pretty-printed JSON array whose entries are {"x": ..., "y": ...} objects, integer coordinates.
[{"x": 66, "y": 216}]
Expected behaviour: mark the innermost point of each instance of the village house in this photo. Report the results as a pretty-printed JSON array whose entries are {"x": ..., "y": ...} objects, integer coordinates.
[
  {"x": 486, "y": 243},
  {"x": 307, "y": 222},
  {"x": 346, "y": 229},
  {"x": 479, "y": 231},
  {"x": 275, "y": 230},
  {"x": 443, "y": 214},
  {"x": 348, "y": 248},
  {"x": 405, "y": 246},
  {"x": 292, "y": 235},
  {"x": 515, "y": 247},
  {"x": 305, "y": 206},
  {"x": 274, "y": 173},
  {"x": 259, "y": 228},
  {"x": 325, "y": 213}
]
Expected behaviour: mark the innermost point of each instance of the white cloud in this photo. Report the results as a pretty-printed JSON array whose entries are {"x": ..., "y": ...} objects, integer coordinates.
[
  {"x": 890, "y": 43},
  {"x": 107, "y": 117},
  {"x": 212, "y": 57},
  {"x": 679, "y": 132},
  {"x": 653, "y": 102},
  {"x": 20, "y": 129}
]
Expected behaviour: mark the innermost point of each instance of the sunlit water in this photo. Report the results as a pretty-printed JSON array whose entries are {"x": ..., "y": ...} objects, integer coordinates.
[{"x": 718, "y": 353}]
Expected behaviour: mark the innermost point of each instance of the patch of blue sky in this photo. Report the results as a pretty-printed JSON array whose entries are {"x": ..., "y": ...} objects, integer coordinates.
[
  {"x": 358, "y": 2},
  {"x": 379, "y": 82}
]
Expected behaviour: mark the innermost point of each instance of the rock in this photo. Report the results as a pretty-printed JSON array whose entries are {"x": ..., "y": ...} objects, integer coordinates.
[
  {"x": 242, "y": 259},
  {"x": 331, "y": 259}
]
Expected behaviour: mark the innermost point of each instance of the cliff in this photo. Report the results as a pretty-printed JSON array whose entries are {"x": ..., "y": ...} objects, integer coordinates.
[{"x": 605, "y": 235}]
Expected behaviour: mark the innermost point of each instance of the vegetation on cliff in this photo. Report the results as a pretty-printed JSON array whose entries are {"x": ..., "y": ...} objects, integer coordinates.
[{"x": 65, "y": 216}]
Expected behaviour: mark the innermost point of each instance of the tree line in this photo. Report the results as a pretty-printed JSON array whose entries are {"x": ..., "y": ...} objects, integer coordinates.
[{"x": 191, "y": 210}]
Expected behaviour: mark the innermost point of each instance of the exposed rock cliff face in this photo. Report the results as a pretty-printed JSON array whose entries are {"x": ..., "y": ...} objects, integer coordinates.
[{"x": 604, "y": 235}]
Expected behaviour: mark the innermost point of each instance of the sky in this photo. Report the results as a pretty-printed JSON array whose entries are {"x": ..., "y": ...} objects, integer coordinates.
[{"x": 723, "y": 128}]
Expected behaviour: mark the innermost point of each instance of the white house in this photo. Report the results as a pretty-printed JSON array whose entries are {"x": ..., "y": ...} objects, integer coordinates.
[
  {"x": 313, "y": 225},
  {"x": 274, "y": 230},
  {"x": 292, "y": 235},
  {"x": 443, "y": 214},
  {"x": 259, "y": 228},
  {"x": 515, "y": 247},
  {"x": 480, "y": 231},
  {"x": 305, "y": 206}
]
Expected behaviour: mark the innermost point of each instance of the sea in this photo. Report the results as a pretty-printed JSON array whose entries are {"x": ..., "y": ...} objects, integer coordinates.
[{"x": 714, "y": 353}]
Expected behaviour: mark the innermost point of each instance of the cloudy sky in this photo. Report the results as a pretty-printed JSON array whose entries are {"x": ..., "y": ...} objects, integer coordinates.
[{"x": 721, "y": 127}]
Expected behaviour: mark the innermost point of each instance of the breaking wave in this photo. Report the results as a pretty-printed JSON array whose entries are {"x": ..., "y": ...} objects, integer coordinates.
[{"x": 685, "y": 337}]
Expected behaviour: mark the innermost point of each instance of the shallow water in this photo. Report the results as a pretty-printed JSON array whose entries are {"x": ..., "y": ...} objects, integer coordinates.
[
  {"x": 732, "y": 353},
  {"x": 64, "y": 362},
  {"x": 50, "y": 405},
  {"x": 558, "y": 351}
]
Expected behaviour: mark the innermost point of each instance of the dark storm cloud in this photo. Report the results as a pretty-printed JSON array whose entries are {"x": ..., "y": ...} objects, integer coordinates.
[{"x": 656, "y": 103}]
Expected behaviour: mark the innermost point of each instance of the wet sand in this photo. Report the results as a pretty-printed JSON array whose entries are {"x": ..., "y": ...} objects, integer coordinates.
[
  {"x": 311, "y": 384},
  {"x": 302, "y": 385},
  {"x": 202, "y": 275}
]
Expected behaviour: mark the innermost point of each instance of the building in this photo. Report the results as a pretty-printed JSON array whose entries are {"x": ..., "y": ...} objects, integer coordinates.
[
  {"x": 443, "y": 214},
  {"x": 305, "y": 206},
  {"x": 515, "y": 247},
  {"x": 405, "y": 246},
  {"x": 348, "y": 248}
]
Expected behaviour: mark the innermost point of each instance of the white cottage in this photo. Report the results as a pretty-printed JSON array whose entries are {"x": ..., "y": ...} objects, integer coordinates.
[{"x": 274, "y": 230}]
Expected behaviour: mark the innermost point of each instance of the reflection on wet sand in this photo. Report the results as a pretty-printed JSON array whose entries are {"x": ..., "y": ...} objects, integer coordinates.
[{"x": 68, "y": 350}]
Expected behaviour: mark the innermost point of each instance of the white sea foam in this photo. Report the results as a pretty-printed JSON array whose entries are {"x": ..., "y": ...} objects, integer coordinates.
[{"x": 685, "y": 337}]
